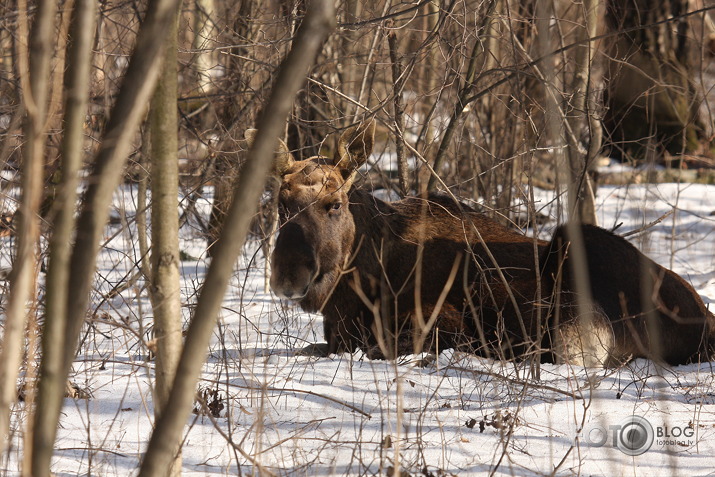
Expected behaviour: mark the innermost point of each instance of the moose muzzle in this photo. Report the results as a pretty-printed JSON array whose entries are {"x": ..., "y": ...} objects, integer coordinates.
[{"x": 294, "y": 264}]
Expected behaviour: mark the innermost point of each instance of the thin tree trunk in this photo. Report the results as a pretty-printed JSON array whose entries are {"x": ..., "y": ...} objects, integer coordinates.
[
  {"x": 134, "y": 95},
  {"x": 557, "y": 135},
  {"x": 205, "y": 29},
  {"x": 52, "y": 383},
  {"x": 349, "y": 75},
  {"x": 141, "y": 216},
  {"x": 316, "y": 25},
  {"x": 581, "y": 193},
  {"x": 165, "y": 288},
  {"x": 399, "y": 82},
  {"x": 22, "y": 278}
]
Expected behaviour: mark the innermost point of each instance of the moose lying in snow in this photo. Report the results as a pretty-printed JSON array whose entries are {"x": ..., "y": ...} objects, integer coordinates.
[{"x": 429, "y": 273}]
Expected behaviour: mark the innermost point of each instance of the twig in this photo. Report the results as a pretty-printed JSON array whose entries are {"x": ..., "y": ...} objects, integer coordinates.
[
  {"x": 649, "y": 225},
  {"x": 91, "y": 449},
  {"x": 227, "y": 438},
  {"x": 519, "y": 382}
]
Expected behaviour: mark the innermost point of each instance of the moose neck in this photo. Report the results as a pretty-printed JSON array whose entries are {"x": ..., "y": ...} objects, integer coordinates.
[{"x": 376, "y": 224}]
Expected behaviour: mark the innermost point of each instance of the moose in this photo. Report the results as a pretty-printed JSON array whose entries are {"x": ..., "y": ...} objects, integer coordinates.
[{"x": 429, "y": 273}]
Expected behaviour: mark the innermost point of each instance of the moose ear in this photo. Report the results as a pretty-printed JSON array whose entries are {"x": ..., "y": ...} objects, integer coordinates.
[
  {"x": 284, "y": 159},
  {"x": 354, "y": 147}
]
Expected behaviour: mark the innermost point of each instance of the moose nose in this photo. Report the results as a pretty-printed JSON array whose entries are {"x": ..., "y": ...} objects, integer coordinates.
[
  {"x": 292, "y": 294},
  {"x": 293, "y": 262}
]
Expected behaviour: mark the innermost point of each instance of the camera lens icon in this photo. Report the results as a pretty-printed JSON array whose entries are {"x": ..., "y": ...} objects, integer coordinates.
[{"x": 635, "y": 436}]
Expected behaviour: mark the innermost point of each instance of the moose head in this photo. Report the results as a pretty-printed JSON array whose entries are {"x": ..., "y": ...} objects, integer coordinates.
[{"x": 317, "y": 229}]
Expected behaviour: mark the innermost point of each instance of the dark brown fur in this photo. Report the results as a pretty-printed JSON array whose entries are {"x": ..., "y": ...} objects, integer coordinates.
[
  {"x": 482, "y": 286},
  {"x": 653, "y": 312}
]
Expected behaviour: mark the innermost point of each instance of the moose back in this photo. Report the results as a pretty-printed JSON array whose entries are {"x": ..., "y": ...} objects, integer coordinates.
[{"x": 430, "y": 273}]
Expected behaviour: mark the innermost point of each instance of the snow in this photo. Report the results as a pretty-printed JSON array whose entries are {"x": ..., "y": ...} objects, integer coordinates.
[{"x": 347, "y": 415}]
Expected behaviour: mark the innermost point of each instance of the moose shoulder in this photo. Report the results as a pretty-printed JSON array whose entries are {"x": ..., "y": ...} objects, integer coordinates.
[{"x": 429, "y": 273}]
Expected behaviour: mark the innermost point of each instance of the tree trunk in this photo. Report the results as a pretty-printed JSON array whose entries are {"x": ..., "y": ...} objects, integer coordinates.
[
  {"x": 558, "y": 134},
  {"x": 651, "y": 103},
  {"x": 399, "y": 109},
  {"x": 203, "y": 42},
  {"x": 137, "y": 88},
  {"x": 52, "y": 383},
  {"x": 582, "y": 119},
  {"x": 316, "y": 25},
  {"x": 35, "y": 82},
  {"x": 165, "y": 287},
  {"x": 139, "y": 82}
]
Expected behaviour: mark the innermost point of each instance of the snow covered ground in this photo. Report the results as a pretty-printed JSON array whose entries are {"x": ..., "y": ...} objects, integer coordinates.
[{"x": 347, "y": 415}]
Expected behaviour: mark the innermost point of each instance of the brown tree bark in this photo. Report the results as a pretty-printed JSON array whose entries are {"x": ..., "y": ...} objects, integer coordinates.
[
  {"x": 164, "y": 290},
  {"x": 399, "y": 109},
  {"x": 35, "y": 94},
  {"x": 52, "y": 382},
  {"x": 134, "y": 95},
  {"x": 132, "y": 100},
  {"x": 582, "y": 118},
  {"x": 294, "y": 69}
]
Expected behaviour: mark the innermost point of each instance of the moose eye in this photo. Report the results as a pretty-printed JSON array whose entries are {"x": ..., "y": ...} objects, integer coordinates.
[{"x": 334, "y": 206}]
